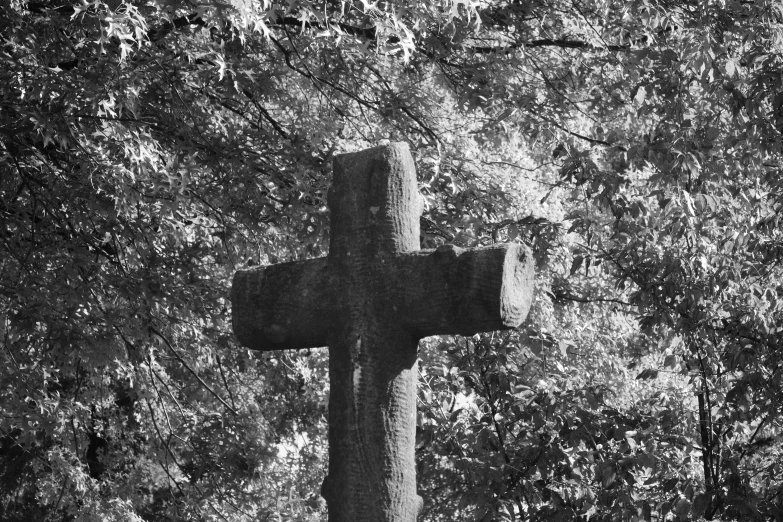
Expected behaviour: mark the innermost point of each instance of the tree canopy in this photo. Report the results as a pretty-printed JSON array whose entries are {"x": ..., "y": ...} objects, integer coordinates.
[{"x": 149, "y": 149}]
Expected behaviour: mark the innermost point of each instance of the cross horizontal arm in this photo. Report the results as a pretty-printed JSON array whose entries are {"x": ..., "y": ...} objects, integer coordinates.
[
  {"x": 284, "y": 306},
  {"x": 431, "y": 292},
  {"x": 464, "y": 291}
]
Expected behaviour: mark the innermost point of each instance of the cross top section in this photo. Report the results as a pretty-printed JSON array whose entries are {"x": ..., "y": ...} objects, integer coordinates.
[{"x": 375, "y": 204}]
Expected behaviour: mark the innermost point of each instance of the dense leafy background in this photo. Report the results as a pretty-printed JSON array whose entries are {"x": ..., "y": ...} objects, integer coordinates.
[{"x": 149, "y": 149}]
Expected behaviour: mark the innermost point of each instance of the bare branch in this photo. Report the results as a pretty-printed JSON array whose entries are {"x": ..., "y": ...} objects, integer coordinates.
[{"x": 192, "y": 371}]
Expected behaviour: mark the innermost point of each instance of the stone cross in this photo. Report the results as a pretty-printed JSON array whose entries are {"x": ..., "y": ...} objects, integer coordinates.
[{"x": 371, "y": 300}]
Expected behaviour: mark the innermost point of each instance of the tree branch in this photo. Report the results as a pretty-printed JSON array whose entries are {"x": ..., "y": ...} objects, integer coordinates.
[
  {"x": 192, "y": 371},
  {"x": 579, "y": 299}
]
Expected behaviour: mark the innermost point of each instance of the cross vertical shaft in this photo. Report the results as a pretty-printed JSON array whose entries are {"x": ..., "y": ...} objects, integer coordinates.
[{"x": 372, "y": 358}]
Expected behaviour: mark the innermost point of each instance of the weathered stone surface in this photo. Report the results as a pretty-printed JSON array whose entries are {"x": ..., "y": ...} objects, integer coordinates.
[
  {"x": 450, "y": 290},
  {"x": 370, "y": 301}
]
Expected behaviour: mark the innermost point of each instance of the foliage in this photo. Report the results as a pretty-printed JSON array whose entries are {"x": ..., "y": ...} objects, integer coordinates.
[{"x": 151, "y": 148}]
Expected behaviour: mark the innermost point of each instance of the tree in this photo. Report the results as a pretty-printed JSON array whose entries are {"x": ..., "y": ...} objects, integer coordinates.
[{"x": 149, "y": 149}]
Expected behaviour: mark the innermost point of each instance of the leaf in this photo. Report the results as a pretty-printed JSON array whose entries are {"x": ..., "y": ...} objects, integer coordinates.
[
  {"x": 608, "y": 476},
  {"x": 730, "y": 68},
  {"x": 591, "y": 400},
  {"x": 682, "y": 507},
  {"x": 700, "y": 504},
  {"x": 577, "y": 262},
  {"x": 649, "y": 373},
  {"x": 641, "y": 93}
]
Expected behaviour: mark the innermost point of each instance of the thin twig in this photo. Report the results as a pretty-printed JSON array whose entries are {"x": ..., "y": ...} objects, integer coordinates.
[
  {"x": 60, "y": 498},
  {"x": 192, "y": 371},
  {"x": 168, "y": 451},
  {"x": 225, "y": 382}
]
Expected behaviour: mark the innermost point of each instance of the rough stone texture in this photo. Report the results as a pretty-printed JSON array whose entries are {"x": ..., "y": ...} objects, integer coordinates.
[
  {"x": 370, "y": 301},
  {"x": 450, "y": 290}
]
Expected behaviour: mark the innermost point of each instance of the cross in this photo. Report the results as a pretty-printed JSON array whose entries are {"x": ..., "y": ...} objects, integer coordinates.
[{"x": 371, "y": 300}]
